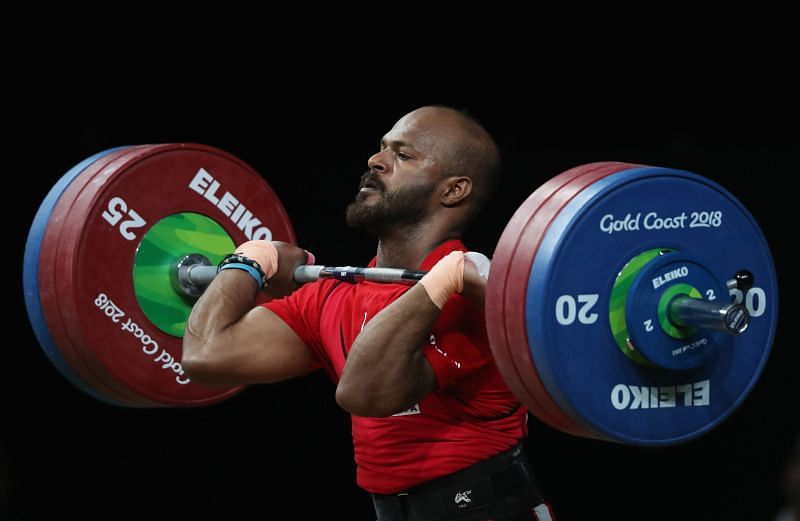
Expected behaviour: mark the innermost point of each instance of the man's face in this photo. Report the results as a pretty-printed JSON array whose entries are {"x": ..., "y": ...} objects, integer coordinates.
[{"x": 400, "y": 187}]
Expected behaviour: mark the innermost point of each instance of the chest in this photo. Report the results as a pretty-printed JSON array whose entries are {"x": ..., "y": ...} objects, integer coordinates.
[
  {"x": 345, "y": 313},
  {"x": 350, "y": 307}
]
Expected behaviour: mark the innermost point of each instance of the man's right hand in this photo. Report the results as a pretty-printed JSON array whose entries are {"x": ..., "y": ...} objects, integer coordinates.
[
  {"x": 289, "y": 258},
  {"x": 278, "y": 260}
]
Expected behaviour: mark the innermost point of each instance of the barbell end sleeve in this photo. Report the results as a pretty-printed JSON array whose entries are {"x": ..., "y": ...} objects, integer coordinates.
[
  {"x": 186, "y": 280},
  {"x": 201, "y": 275},
  {"x": 685, "y": 311}
]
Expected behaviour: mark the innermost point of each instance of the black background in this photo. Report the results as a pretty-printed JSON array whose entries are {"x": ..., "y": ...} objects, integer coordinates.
[{"x": 285, "y": 449}]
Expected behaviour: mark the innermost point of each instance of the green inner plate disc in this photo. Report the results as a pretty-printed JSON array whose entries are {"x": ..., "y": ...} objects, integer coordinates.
[{"x": 163, "y": 245}]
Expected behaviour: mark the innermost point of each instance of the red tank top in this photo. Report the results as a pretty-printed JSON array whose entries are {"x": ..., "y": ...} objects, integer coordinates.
[{"x": 471, "y": 416}]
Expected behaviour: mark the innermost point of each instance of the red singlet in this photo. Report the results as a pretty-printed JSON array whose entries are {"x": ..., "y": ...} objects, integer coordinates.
[{"x": 471, "y": 416}]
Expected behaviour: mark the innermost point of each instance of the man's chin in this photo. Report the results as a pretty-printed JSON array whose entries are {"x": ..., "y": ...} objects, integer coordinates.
[{"x": 359, "y": 216}]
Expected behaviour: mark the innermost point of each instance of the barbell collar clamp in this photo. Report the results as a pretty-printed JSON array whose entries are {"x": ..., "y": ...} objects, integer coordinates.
[{"x": 192, "y": 274}]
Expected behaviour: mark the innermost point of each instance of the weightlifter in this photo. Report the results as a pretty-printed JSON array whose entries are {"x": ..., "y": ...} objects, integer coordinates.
[{"x": 437, "y": 434}]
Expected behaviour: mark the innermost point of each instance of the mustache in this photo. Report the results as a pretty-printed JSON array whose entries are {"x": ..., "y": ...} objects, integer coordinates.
[{"x": 370, "y": 178}]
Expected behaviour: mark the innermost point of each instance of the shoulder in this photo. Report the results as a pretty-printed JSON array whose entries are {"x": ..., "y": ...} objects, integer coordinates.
[
  {"x": 315, "y": 290},
  {"x": 309, "y": 296}
]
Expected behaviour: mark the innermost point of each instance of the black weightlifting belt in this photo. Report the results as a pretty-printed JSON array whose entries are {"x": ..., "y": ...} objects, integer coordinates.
[{"x": 501, "y": 485}]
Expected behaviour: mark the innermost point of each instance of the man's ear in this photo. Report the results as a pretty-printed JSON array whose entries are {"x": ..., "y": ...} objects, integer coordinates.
[{"x": 456, "y": 189}]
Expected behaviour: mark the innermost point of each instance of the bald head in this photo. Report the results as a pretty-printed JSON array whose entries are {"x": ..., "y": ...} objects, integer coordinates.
[{"x": 462, "y": 148}]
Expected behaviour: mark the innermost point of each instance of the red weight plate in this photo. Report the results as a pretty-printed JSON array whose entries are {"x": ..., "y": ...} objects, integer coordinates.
[
  {"x": 497, "y": 288},
  {"x": 519, "y": 272},
  {"x": 86, "y": 368},
  {"x": 96, "y": 257}
]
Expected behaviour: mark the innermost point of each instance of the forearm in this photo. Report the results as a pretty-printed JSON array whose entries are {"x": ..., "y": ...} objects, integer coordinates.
[
  {"x": 385, "y": 370},
  {"x": 230, "y": 295}
]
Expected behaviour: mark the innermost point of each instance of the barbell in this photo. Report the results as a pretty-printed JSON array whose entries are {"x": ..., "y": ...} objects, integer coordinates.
[{"x": 625, "y": 302}]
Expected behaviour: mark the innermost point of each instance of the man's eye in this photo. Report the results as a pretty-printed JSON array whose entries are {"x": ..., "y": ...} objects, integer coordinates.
[{"x": 403, "y": 157}]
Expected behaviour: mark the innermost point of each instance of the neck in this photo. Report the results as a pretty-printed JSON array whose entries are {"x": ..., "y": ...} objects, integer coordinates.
[{"x": 407, "y": 247}]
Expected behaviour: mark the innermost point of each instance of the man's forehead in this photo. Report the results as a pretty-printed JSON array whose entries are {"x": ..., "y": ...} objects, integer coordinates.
[{"x": 419, "y": 130}]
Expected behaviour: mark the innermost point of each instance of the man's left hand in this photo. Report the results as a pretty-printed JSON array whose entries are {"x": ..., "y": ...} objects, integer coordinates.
[{"x": 474, "y": 281}]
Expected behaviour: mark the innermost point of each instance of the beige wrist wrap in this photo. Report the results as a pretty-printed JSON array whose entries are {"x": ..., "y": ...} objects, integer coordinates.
[
  {"x": 263, "y": 252},
  {"x": 446, "y": 278}
]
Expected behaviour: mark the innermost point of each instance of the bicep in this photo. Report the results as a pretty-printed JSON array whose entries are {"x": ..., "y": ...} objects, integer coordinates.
[{"x": 261, "y": 348}]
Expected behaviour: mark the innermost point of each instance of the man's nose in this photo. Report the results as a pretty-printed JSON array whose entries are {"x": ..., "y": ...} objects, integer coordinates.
[{"x": 378, "y": 162}]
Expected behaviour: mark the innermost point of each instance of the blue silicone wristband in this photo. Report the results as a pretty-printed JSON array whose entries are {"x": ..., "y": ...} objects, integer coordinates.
[{"x": 244, "y": 267}]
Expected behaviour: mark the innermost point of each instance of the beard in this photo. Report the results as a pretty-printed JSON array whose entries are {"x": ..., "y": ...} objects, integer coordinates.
[{"x": 405, "y": 207}]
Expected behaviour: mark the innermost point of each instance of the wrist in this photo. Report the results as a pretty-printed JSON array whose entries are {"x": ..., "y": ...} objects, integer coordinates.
[{"x": 250, "y": 266}]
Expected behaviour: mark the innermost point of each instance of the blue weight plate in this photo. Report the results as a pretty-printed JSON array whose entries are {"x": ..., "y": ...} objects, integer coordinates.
[
  {"x": 30, "y": 277},
  {"x": 567, "y": 305}
]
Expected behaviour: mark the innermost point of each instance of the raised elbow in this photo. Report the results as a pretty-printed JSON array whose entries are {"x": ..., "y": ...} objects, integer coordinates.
[
  {"x": 198, "y": 369},
  {"x": 200, "y": 366},
  {"x": 362, "y": 404},
  {"x": 352, "y": 402},
  {"x": 346, "y": 401}
]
